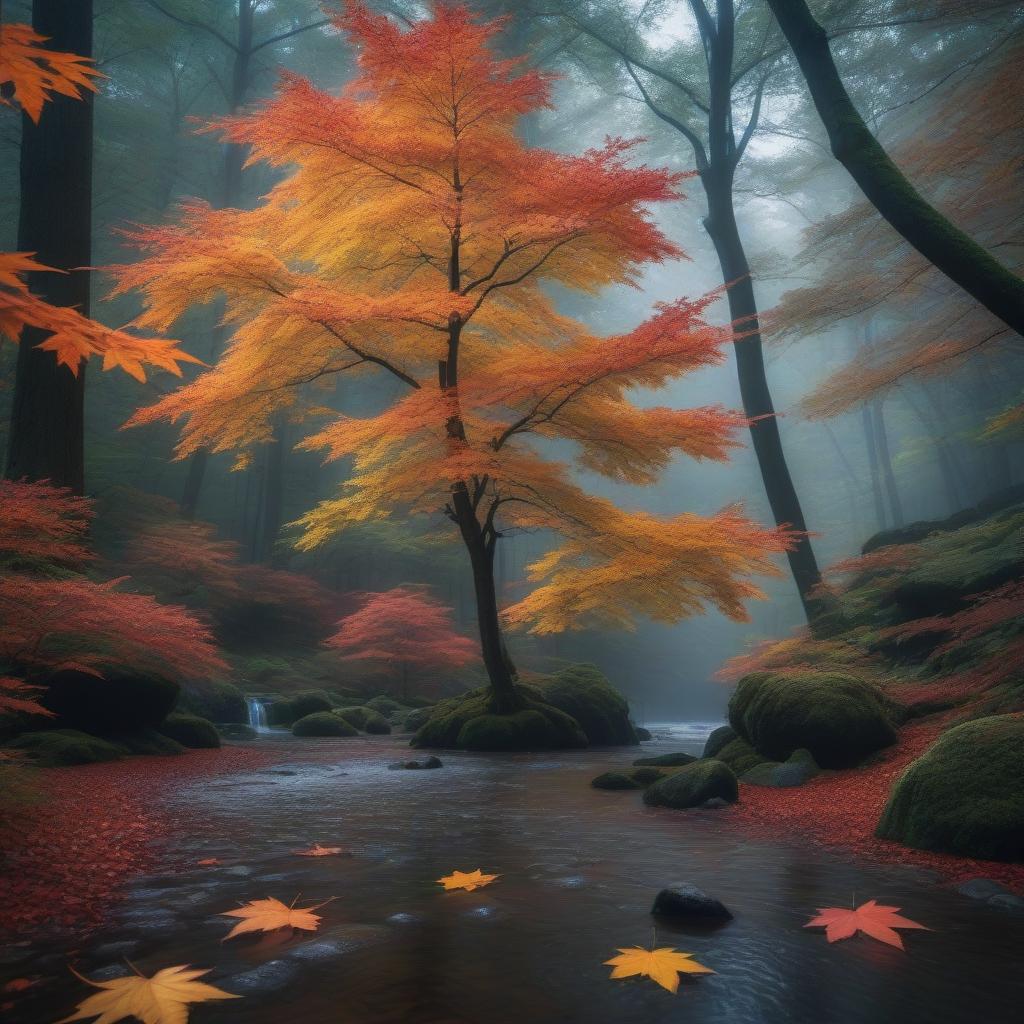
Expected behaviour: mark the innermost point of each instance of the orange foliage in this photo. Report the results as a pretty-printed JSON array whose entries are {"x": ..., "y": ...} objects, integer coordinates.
[
  {"x": 414, "y": 234},
  {"x": 43, "y": 522},
  {"x": 36, "y": 74}
]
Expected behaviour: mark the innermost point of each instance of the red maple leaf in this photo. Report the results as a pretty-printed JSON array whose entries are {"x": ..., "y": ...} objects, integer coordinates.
[{"x": 871, "y": 918}]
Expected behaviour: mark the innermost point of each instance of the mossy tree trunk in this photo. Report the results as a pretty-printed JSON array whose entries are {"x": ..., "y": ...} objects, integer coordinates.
[{"x": 955, "y": 253}]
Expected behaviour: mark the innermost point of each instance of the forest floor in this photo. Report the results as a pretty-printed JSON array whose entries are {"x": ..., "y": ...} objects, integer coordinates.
[{"x": 841, "y": 809}]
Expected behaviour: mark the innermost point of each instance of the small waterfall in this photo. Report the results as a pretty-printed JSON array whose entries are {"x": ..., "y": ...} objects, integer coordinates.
[{"x": 257, "y": 714}]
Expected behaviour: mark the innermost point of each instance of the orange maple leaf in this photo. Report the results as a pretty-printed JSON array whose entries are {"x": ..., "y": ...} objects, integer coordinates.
[
  {"x": 208, "y": 862},
  {"x": 268, "y": 915},
  {"x": 662, "y": 965},
  {"x": 316, "y": 850},
  {"x": 468, "y": 880},
  {"x": 871, "y": 918}
]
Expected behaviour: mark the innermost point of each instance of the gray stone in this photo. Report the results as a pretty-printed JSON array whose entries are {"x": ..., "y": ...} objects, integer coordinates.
[
  {"x": 110, "y": 972},
  {"x": 433, "y": 762},
  {"x": 321, "y": 949},
  {"x": 1006, "y": 901},
  {"x": 981, "y": 888},
  {"x": 666, "y": 760},
  {"x": 113, "y": 950},
  {"x": 402, "y": 918},
  {"x": 688, "y": 903},
  {"x": 239, "y": 871},
  {"x": 269, "y": 977}
]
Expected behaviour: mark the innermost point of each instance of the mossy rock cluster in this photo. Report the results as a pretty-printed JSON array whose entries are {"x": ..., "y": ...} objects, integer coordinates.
[
  {"x": 584, "y": 693},
  {"x": 365, "y": 719},
  {"x": 614, "y": 780},
  {"x": 58, "y": 748},
  {"x": 323, "y": 723},
  {"x": 216, "y": 701},
  {"x": 289, "y": 709},
  {"x": 384, "y": 705},
  {"x": 739, "y": 755},
  {"x": 965, "y": 795},
  {"x": 795, "y": 771},
  {"x": 417, "y": 718},
  {"x": 674, "y": 760},
  {"x": 191, "y": 731},
  {"x": 693, "y": 784},
  {"x": 717, "y": 739},
  {"x": 473, "y": 722},
  {"x": 839, "y": 718}
]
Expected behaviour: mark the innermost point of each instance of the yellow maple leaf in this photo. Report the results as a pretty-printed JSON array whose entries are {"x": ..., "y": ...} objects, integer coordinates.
[
  {"x": 162, "y": 999},
  {"x": 316, "y": 850},
  {"x": 662, "y": 965},
  {"x": 268, "y": 915},
  {"x": 468, "y": 880}
]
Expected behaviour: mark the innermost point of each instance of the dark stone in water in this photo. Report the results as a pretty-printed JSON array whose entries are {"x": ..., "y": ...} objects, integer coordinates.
[
  {"x": 114, "y": 950},
  {"x": 110, "y": 972},
  {"x": 642, "y": 733},
  {"x": 430, "y": 762},
  {"x": 687, "y": 902},
  {"x": 269, "y": 977},
  {"x": 666, "y": 760},
  {"x": 991, "y": 892}
]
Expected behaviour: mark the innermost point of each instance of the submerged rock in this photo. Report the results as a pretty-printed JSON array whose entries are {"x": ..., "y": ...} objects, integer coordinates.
[
  {"x": 236, "y": 731},
  {"x": 645, "y": 776},
  {"x": 614, "y": 780},
  {"x": 425, "y": 764},
  {"x": 584, "y": 693},
  {"x": 666, "y": 760},
  {"x": 965, "y": 795},
  {"x": 693, "y": 785},
  {"x": 642, "y": 734},
  {"x": 272, "y": 976},
  {"x": 687, "y": 902},
  {"x": 323, "y": 723}
]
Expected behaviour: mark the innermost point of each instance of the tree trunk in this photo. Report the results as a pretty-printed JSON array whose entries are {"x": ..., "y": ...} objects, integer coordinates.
[
  {"x": 754, "y": 391},
  {"x": 55, "y": 223},
  {"x": 885, "y": 459},
  {"x": 955, "y": 253},
  {"x": 273, "y": 494},
  {"x": 867, "y": 421}
]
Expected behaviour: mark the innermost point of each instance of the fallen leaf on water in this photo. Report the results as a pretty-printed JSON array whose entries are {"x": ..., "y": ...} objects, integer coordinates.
[
  {"x": 662, "y": 965},
  {"x": 316, "y": 850},
  {"x": 19, "y": 984},
  {"x": 162, "y": 999},
  {"x": 208, "y": 862},
  {"x": 270, "y": 914},
  {"x": 468, "y": 880},
  {"x": 871, "y": 918}
]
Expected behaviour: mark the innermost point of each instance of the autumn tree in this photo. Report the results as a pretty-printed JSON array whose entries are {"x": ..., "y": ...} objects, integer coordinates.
[
  {"x": 406, "y": 628},
  {"x": 415, "y": 235}
]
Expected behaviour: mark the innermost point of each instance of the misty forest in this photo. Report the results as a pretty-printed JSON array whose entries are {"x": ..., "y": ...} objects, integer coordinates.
[{"x": 511, "y": 511}]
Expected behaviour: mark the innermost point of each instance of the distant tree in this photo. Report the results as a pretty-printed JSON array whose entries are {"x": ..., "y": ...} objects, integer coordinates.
[
  {"x": 415, "y": 234},
  {"x": 954, "y": 252},
  {"x": 407, "y": 629}
]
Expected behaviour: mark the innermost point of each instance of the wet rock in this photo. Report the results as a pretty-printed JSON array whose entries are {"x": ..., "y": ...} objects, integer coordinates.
[
  {"x": 430, "y": 762},
  {"x": 715, "y": 803},
  {"x": 14, "y": 955},
  {"x": 1007, "y": 901},
  {"x": 688, "y": 903},
  {"x": 239, "y": 871},
  {"x": 322, "y": 949},
  {"x": 642, "y": 734},
  {"x": 718, "y": 739},
  {"x": 269, "y": 977},
  {"x": 666, "y": 760},
  {"x": 572, "y": 882},
  {"x": 614, "y": 780},
  {"x": 236, "y": 731},
  {"x": 154, "y": 919},
  {"x": 402, "y": 918},
  {"x": 114, "y": 950},
  {"x": 692, "y": 785},
  {"x": 989, "y": 891},
  {"x": 339, "y": 941},
  {"x": 793, "y": 772},
  {"x": 109, "y": 972},
  {"x": 645, "y": 776}
]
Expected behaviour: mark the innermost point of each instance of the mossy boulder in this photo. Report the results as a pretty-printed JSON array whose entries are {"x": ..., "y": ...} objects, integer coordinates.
[
  {"x": 365, "y": 719},
  {"x": 739, "y": 755},
  {"x": 674, "y": 760},
  {"x": 965, "y": 795},
  {"x": 116, "y": 702},
  {"x": 323, "y": 723},
  {"x": 291, "y": 708},
  {"x": 216, "y": 701},
  {"x": 840, "y": 719},
  {"x": 385, "y": 705},
  {"x": 642, "y": 734},
  {"x": 691, "y": 785},
  {"x": 645, "y": 776},
  {"x": 417, "y": 718},
  {"x": 56, "y": 748},
  {"x": 148, "y": 742},
  {"x": 583, "y": 693},
  {"x": 800, "y": 767},
  {"x": 614, "y": 780},
  {"x": 236, "y": 731},
  {"x": 717, "y": 739},
  {"x": 191, "y": 731},
  {"x": 472, "y": 722}
]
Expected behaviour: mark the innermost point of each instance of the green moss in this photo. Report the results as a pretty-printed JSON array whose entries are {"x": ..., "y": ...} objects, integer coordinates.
[
  {"x": 57, "y": 748},
  {"x": 739, "y": 755},
  {"x": 691, "y": 785},
  {"x": 840, "y": 719},
  {"x": 149, "y": 742},
  {"x": 323, "y": 723},
  {"x": 614, "y": 780},
  {"x": 800, "y": 767},
  {"x": 583, "y": 692},
  {"x": 385, "y": 705},
  {"x": 216, "y": 701},
  {"x": 297, "y": 705},
  {"x": 470, "y": 722},
  {"x": 674, "y": 760},
  {"x": 645, "y": 776},
  {"x": 191, "y": 731},
  {"x": 718, "y": 739},
  {"x": 365, "y": 719},
  {"x": 416, "y": 719},
  {"x": 965, "y": 795}
]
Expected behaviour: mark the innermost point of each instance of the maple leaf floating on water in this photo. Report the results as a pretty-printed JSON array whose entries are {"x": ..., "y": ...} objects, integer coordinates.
[
  {"x": 208, "y": 862},
  {"x": 662, "y": 965},
  {"x": 162, "y": 999},
  {"x": 316, "y": 850},
  {"x": 268, "y": 915},
  {"x": 871, "y": 918},
  {"x": 468, "y": 880}
]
